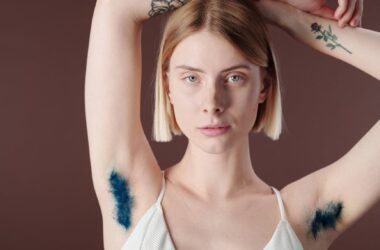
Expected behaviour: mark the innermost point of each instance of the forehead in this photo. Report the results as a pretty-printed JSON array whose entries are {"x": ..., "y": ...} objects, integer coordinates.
[{"x": 207, "y": 51}]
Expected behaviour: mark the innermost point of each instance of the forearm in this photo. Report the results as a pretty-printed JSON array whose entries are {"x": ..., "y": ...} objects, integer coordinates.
[
  {"x": 141, "y": 10},
  {"x": 356, "y": 46}
]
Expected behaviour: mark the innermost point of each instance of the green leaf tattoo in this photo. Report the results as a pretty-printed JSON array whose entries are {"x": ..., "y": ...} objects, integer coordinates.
[{"x": 327, "y": 36}]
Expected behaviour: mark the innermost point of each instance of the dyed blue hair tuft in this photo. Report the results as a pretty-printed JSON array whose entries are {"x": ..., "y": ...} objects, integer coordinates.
[
  {"x": 326, "y": 218},
  {"x": 123, "y": 198}
]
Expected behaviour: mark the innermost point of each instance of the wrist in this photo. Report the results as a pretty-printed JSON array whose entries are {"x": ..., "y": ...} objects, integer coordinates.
[
  {"x": 277, "y": 12},
  {"x": 295, "y": 21},
  {"x": 288, "y": 16}
]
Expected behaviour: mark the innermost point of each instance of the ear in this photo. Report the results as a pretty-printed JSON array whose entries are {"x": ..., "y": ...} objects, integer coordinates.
[
  {"x": 264, "y": 83},
  {"x": 166, "y": 83},
  {"x": 169, "y": 96}
]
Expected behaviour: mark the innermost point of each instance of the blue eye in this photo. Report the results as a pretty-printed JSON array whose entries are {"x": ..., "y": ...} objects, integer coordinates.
[
  {"x": 188, "y": 77},
  {"x": 239, "y": 78},
  {"x": 193, "y": 79}
]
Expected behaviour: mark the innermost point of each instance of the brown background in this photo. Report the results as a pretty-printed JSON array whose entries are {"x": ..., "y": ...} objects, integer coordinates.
[{"x": 46, "y": 196}]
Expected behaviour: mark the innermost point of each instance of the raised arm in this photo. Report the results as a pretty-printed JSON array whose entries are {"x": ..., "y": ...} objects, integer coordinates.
[
  {"x": 356, "y": 46},
  {"x": 125, "y": 173},
  {"x": 348, "y": 187}
]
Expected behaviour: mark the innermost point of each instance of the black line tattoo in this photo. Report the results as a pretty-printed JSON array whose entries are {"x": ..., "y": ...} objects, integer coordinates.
[
  {"x": 325, "y": 218},
  {"x": 162, "y": 6},
  {"x": 327, "y": 36}
]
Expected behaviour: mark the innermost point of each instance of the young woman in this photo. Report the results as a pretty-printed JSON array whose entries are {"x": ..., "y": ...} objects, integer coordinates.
[{"x": 216, "y": 82}]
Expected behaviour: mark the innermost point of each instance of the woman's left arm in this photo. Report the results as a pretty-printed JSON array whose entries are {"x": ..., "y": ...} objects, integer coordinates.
[
  {"x": 354, "y": 45},
  {"x": 350, "y": 186}
]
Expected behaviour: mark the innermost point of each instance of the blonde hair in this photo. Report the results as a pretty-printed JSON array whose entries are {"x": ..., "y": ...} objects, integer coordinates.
[{"x": 240, "y": 23}]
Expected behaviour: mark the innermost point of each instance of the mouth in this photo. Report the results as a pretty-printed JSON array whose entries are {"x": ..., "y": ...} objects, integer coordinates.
[
  {"x": 215, "y": 127},
  {"x": 215, "y": 131}
]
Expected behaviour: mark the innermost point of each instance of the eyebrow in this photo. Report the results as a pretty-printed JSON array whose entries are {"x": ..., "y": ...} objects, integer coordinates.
[{"x": 246, "y": 66}]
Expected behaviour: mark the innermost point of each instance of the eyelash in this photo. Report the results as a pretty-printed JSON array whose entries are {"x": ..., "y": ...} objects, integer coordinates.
[{"x": 240, "y": 77}]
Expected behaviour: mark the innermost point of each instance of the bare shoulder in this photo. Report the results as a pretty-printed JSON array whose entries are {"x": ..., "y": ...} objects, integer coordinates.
[{"x": 307, "y": 213}]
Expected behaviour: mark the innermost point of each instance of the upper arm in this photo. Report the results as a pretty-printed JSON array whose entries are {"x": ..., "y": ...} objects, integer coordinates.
[
  {"x": 115, "y": 134},
  {"x": 112, "y": 89},
  {"x": 354, "y": 180}
]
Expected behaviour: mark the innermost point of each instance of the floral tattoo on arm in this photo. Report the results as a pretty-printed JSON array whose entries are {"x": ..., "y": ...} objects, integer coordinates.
[
  {"x": 163, "y": 6},
  {"x": 327, "y": 36}
]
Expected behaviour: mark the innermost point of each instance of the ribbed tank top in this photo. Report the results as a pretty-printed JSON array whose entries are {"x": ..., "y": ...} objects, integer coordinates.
[{"x": 151, "y": 232}]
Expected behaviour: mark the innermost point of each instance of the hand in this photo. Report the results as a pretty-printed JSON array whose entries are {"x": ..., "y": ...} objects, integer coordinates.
[{"x": 348, "y": 12}]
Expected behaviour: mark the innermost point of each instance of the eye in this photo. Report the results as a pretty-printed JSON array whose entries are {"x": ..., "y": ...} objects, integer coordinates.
[
  {"x": 236, "y": 78},
  {"x": 191, "y": 78}
]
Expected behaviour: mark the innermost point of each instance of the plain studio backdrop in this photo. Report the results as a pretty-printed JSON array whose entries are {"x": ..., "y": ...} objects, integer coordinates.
[{"x": 47, "y": 199}]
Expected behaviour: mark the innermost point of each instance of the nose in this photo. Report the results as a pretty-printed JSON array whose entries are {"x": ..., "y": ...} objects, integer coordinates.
[{"x": 214, "y": 99}]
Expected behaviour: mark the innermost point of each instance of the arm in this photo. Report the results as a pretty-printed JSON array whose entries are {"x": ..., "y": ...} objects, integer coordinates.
[
  {"x": 348, "y": 11},
  {"x": 349, "y": 187},
  {"x": 112, "y": 108},
  {"x": 356, "y": 46}
]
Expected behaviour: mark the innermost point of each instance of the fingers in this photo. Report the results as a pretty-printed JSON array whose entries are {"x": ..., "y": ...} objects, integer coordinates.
[
  {"x": 343, "y": 4},
  {"x": 348, "y": 14},
  {"x": 356, "y": 20}
]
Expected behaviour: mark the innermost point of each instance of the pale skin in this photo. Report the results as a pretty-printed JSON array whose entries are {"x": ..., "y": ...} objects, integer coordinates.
[
  {"x": 348, "y": 12},
  {"x": 213, "y": 96},
  {"x": 224, "y": 196}
]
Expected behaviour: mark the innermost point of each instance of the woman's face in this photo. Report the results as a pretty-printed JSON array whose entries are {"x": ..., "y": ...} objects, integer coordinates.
[{"x": 210, "y": 82}]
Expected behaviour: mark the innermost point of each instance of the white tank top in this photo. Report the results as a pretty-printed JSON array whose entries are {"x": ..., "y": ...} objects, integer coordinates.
[{"x": 151, "y": 232}]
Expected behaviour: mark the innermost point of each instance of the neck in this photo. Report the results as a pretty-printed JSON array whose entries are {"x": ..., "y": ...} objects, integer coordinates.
[{"x": 217, "y": 176}]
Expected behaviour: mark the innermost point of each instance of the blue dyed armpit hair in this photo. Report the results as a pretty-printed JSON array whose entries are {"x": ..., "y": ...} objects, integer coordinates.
[
  {"x": 326, "y": 218},
  {"x": 123, "y": 198}
]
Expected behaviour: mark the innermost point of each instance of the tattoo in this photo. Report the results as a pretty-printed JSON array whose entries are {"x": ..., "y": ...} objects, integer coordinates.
[
  {"x": 327, "y": 36},
  {"x": 162, "y": 6},
  {"x": 325, "y": 218},
  {"x": 123, "y": 198}
]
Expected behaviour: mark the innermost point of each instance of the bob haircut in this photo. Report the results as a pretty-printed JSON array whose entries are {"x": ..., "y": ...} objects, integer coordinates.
[{"x": 241, "y": 24}]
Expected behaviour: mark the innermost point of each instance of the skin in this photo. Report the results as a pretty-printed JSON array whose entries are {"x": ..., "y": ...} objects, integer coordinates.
[
  {"x": 348, "y": 12},
  {"x": 217, "y": 166},
  {"x": 327, "y": 36},
  {"x": 226, "y": 97},
  {"x": 119, "y": 61}
]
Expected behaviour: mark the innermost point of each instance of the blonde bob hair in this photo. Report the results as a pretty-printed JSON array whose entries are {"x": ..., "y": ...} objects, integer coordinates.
[{"x": 240, "y": 23}]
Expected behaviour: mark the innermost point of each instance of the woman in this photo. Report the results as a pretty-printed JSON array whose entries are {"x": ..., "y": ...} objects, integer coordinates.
[{"x": 215, "y": 64}]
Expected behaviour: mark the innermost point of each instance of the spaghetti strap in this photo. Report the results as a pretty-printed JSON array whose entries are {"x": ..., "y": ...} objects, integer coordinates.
[
  {"x": 163, "y": 188},
  {"x": 280, "y": 203}
]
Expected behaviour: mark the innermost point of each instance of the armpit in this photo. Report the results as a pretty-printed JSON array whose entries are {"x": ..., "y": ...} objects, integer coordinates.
[
  {"x": 123, "y": 199},
  {"x": 324, "y": 218}
]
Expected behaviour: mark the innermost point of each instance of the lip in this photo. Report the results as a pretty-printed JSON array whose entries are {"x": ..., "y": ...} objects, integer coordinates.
[
  {"x": 215, "y": 131},
  {"x": 216, "y": 125}
]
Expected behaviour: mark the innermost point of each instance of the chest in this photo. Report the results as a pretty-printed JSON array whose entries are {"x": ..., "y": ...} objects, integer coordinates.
[{"x": 245, "y": 224}]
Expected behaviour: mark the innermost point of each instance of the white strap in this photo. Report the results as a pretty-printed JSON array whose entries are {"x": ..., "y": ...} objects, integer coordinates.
[
  {"x": 163, "y": 188},
  {"x": 280, "y": 203}
]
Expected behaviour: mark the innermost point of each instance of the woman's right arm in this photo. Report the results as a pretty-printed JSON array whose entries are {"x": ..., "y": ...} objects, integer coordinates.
[{"x": 112, "y": 107}]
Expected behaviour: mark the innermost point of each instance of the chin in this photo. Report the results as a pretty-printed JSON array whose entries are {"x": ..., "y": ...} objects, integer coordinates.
[{"x": 213, "y": 145}]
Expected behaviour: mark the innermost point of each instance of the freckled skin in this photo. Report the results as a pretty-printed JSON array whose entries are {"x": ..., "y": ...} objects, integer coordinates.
[
  {"x": 123, "y": 198},
  {"x": 325, "y": 218}
]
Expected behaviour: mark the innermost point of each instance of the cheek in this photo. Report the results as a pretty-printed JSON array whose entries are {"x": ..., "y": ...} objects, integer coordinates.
[
  {"x": 246, "y": 99},
  {"x": 185, "y": 110},
  {"x": 245, "y": 108}
]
